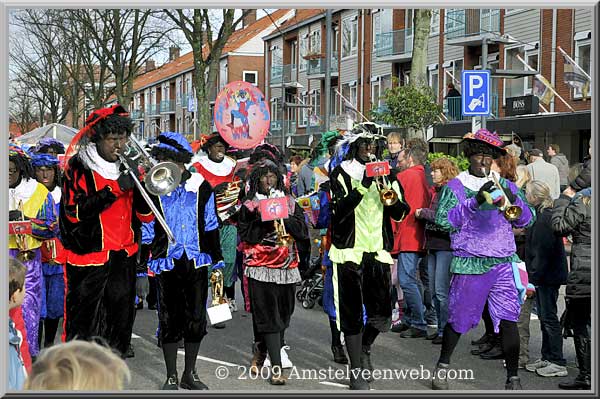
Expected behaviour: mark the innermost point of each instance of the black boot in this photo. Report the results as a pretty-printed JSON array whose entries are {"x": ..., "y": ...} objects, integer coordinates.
[
  {"x": 482, "y": 340},
  {"x": 258, "y": 358},
  {"x": 171, "y": 383},
  {"x": 192, "y": 381},
  {"x": 357, "y": 382},
  {"x": 513, "y": 384},
  {"x": 130, "y": 352},
  {"x": 339, "y": 355},
  {"x": 439, "y": 381},
  {"x": 495, "y": 353},
  {"x": 483, "y": 348},
  {"x": 583, "y": 353},
  {"x": 365, "y": 362}
]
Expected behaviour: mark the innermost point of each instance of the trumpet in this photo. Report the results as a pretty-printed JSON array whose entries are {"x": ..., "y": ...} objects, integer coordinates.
[
  {"x": 284, "y": 239},
  {"x": 25, "y": 254},
  {"x": 387, "y": 195},
  {"x": 510, "y": 211},
  {"x": 161, "y": 178},
  {"x": 216, "y": 281}
]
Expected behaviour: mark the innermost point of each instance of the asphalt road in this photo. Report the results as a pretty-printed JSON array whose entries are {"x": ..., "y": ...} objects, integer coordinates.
[{"x": 225, "y": 355}]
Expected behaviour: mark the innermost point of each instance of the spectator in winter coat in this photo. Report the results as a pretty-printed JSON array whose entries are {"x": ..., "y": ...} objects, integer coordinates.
[
  {"x": 544, "y": 171},
  {"x": 573, "y": 215},
  {"x": 547, "y": 265},
  {"x": 584, "y": 179},
  {"x": 561, "y": 162}
]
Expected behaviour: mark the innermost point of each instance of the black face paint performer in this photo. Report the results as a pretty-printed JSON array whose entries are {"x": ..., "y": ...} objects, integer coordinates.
[
  {"x": 361, "y": 238},
  {"x": 100, "y": 211},
  {"x": 474, "y": 210}
]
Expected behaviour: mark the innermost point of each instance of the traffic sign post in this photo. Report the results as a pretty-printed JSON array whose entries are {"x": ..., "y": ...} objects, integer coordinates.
[{"x": 476, "y": 92}]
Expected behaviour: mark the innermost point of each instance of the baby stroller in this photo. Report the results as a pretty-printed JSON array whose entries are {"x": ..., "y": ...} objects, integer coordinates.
[{"x": 311, "y": 290}]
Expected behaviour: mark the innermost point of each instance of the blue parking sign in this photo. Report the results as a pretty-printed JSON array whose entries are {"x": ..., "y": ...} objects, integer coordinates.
[{"x": 476, "y": 92}]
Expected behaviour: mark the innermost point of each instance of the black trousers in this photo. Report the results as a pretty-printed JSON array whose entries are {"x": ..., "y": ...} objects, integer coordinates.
[
  {"x": 99, "y": 301},
  {"x": 366, "y": 284},
  {"x": 182, "y": 295}
]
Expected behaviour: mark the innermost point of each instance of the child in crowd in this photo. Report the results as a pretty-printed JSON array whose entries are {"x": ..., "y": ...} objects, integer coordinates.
[
  {"x": 78, "y": 365},
  {"x": 16, "y": 293}
]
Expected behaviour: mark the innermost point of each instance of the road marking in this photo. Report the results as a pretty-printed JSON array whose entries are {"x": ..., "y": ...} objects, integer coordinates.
[
  {"x": 135, "y": 336},
  {"x": 210, "y": 360},
  {"x": 334, "y": 384}
]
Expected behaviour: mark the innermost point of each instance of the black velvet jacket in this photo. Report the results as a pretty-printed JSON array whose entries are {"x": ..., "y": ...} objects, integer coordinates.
[{"x": 343, "y": 203}]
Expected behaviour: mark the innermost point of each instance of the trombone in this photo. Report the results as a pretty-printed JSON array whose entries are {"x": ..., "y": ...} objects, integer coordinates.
[
  {"x": 161, "y": 178},
  {"x": 510, "y": 211},
  {"x": 387, "y": 195}
]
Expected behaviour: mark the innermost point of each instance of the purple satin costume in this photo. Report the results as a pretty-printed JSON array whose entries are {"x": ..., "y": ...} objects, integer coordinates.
[{"x": 482, "y": 234}]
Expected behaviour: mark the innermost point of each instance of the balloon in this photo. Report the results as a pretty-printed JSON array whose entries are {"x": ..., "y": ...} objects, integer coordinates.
[{"x": 242, "y": 116}]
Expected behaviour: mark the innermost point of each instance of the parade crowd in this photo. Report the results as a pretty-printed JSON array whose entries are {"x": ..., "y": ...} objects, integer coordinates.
[{"x": 426, "y": 245}]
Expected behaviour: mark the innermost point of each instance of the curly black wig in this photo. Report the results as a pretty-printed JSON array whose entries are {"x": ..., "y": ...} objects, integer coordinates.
[
  {"x": 259, "y": 170},
  {"x": 214, "y": 140},
  {"x": 474, "y": 147},
  {"x": 161, "y": 154},
  {"x": 378, "y": 143},
  {"x": 112, "y": 124},
  {"x": 23, "y": 166},
  {"x": 266, "y": 151}
]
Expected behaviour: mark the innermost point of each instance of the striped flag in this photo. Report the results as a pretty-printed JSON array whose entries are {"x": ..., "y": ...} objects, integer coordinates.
[
  {"x": 573, "y": 75},
  {"x": 542, "y": 89}
]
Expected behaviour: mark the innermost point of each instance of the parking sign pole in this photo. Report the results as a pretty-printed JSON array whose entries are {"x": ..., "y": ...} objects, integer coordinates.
[{"x": 484, "y": 55}]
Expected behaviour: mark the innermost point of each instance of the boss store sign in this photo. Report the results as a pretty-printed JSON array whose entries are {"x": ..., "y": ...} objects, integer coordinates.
[{"x": 523, "y": 105}]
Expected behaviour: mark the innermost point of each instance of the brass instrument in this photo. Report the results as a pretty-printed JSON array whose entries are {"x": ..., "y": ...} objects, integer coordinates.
[
  {"x": 25, "y": 254},
  {"x": 161, "y": 178},
  {"x": 510, "y": 211},
  {"x": 284, "y": 239},
  {"x": 228, "y": 198},
  {"x": 387, "y": 195},
  {"x": 216, "y": 281}
]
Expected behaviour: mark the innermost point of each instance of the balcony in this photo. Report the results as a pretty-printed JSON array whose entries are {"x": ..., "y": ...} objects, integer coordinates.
[
  {"x": 286, "y": 75},
  {"x": 167, "y": 106},
  {"x": 152, "y": 110},
  {"x": 316, "y": 68},
  {"x": 452, "y": 108},
  {"x": 137, "y": 114},
  {"x": 394, "y": 46},
  {"x": 277, "y": 125},
  {"x": 469, "y": 27}
]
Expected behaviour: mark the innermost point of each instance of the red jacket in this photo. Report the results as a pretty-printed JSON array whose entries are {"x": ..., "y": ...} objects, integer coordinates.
[
  {"x": 409, "y": 235},
  {"x": 16, "y": 314}
]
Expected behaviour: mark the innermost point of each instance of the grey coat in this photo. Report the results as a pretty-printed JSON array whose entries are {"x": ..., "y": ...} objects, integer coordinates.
[
  {"x": 575, "y": 217},
  {"x": 562, "y": 164},
  {"x": 547, "y": 173}
]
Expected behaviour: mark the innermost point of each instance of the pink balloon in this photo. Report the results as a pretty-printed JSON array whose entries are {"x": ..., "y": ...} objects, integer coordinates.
[{"x": 242, "y": 116}]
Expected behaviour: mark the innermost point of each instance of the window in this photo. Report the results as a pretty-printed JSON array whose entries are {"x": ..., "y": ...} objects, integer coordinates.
[
  {"x": 222, "y": 75},
  {"x": 435, "y": 23},
  {"x": 375, "y": 93},
  {"x": 303, "y": 52},
  {"x": 334, "y": 104},
  {"x": 293, "y": 54},
  {"x": 304, "y": 111},
  {"x": 178, "y": 91},
  {"x": 349, "y": 37},
  {"x": 315, "y": 111},
  {"x": 582, "y": 58},
  {"x": 250, "y": 77},
  {"x": 521, "y": 86},
  {"x": 336, "y": 38},
  {"x": 378, "y": 88},
  {"x": 349, "y": 92},
  {"x": 382, "y": 24},
  {"x": 454, "y": 19},
  {"x": 315, "y": 42},
  {"x": 452, "y": 73},
  {"x": 275, "y": 109},
  {"x": 276, "y": 56},
  {"x": 433, "y": 77}
]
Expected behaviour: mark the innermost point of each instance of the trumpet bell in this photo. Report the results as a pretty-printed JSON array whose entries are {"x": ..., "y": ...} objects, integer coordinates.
[
  {"x": 513, "y": 212},
  {"x": 388, "y": 197},
  {"x": 163, "y": 178}
]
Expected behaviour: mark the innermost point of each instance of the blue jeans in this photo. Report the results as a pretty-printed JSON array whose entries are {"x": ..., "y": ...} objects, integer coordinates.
[
  {"x": 439, "y": 284},
  {"x": 408, "y": 263},
  {"x": 552, "y": 341}
]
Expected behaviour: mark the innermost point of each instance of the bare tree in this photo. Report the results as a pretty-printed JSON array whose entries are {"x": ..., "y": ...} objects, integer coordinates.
[
  {"x": 22, "y": 108},
  {"x": 198, "y": 26},
  {"x": 418, "y": 68}
]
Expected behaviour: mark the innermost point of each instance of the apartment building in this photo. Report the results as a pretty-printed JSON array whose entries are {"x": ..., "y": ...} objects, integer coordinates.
[
  {"x": 372, "y": 51},
  {"x": 164, "y": 97}
]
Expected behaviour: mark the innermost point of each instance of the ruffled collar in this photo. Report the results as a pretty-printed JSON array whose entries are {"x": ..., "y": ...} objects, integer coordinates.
[
  {"x": 223, "y": 168},
  {"x": 21, "y": 193},
  {"x": 90, "y": 157},
  {"x": 472, "y": 182},
  {"x": 274, "y": 194},
  {"x": 355, "y": 169},
  {"x": 192, "y": 184}
]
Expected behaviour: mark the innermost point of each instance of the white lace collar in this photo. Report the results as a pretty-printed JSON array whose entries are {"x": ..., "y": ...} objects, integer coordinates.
[
  {"x": 56, "y": 194},
  {"x": 192, "y": 184},
  {"x": 472, "y": 182},
  {"x": 274, "y": 194},
  {"x": 223, "y": 168},
  {"x": 21, "y": 193},
  {"x": 90, "y": 157},
  {"x": 355, "y": 169}
]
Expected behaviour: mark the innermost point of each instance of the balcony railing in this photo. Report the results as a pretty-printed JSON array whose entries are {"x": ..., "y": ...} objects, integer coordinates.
[
  {"x": 317, "y": 66},
  {"x": 167, "y": 106},
  {"x": 395, "y": 43},
  {"x": 282, "y": 74},
  {"x": 472, "y": 22},
  {"x": 453, "y": 108},
  {"x": 277, "y": 126},
  {"x": 137, "y": 114},
  {"x": 152, "y": 109}
]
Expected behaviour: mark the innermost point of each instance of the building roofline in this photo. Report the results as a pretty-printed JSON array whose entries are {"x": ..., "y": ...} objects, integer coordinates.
[{"x": 297, "y": 26}]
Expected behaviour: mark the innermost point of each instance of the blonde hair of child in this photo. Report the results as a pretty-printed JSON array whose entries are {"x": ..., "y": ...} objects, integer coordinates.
[{"x": 78, "y": 366}]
